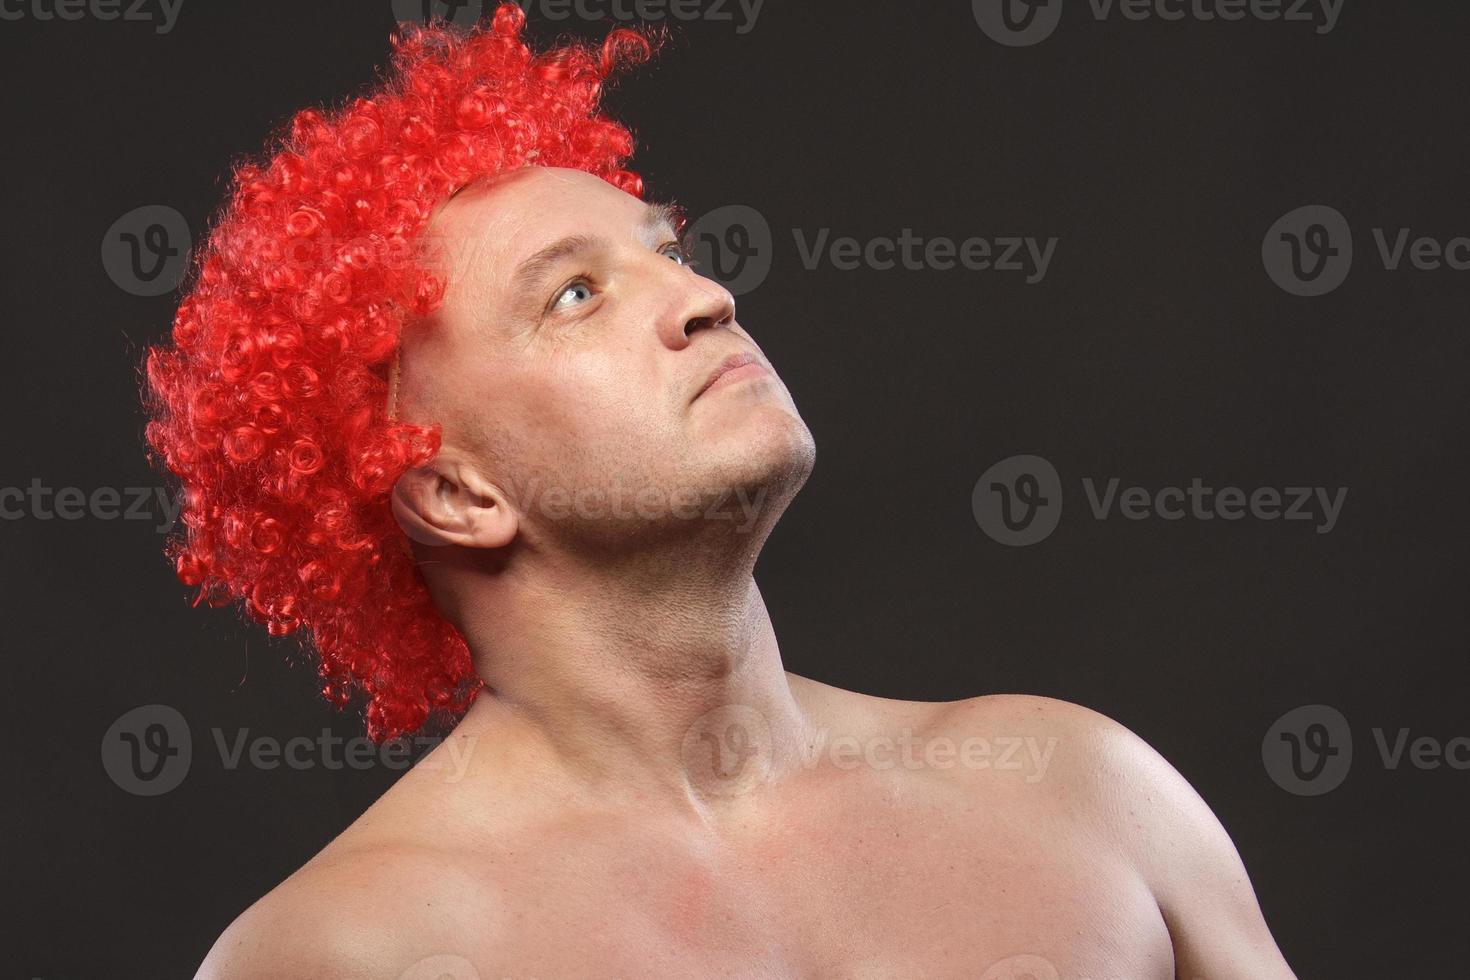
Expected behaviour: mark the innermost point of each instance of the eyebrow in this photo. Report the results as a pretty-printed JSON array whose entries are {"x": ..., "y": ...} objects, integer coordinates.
[
  {"x": 531, "y": 272},
  {"x": 656, "y": 216}
]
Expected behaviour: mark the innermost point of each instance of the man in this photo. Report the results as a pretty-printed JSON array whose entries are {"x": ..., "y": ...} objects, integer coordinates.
[{"x": 639, "y": 789}]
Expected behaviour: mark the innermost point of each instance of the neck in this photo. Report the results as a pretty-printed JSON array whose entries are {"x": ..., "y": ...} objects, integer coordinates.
[{"x": 646, "y": 681}]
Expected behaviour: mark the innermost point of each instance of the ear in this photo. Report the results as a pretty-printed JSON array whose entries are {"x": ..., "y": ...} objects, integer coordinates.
[{"x": 442, "y": 503}]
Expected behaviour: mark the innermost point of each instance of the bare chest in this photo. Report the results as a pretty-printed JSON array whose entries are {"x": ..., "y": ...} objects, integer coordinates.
[{"x": 886, "y": 892}]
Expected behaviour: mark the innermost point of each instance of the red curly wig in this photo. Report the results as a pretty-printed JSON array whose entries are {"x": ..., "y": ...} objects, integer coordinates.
[{"x": 270, "y": 405}]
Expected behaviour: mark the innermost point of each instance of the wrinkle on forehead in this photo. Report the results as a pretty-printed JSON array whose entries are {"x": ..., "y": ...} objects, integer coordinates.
[{"x": 469, "y": 222}]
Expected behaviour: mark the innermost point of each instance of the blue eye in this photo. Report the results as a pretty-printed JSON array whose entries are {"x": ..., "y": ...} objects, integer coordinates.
[
  {"x": 575, "y": 293},
  {"x": 675, "y": 251}
]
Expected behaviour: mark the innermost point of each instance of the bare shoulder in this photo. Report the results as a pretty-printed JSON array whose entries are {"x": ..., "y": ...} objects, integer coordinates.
[
  {"x": 1088, "y": 752},
  {"x": 1109, "y": 777},
  {"x": 997, "y": 719},
  {"x": 1039, "y": 752},
  {"x": 1121, "y": 791},
  {"x": 353, "y": 911},
  {"x": 1077, "y": 772},
  {"x": 403, "y": 892}
]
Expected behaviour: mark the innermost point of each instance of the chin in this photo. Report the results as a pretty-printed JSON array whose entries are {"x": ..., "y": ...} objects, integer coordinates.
[{"x": 770, "y": 448}]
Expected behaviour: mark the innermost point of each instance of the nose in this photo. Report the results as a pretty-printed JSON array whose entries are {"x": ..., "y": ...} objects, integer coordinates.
[{"x": 702, "y": 304}]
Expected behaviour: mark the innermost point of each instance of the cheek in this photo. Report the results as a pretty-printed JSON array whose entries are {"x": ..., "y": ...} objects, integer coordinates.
[{"x": 594, "y": 400}]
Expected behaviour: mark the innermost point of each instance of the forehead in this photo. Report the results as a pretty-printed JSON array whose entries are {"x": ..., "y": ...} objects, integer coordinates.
[{"x": 512, "y": 215}]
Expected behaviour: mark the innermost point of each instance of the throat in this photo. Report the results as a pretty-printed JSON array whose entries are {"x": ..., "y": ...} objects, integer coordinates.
[{"x": 647, "y": 699}]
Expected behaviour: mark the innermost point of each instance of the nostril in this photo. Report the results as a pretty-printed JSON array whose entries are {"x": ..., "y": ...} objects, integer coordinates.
[{"x": 719, "y": 311}]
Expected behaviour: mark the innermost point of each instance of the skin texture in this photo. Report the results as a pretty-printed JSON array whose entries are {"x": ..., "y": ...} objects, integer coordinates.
[{"x": 642, "y": 790}]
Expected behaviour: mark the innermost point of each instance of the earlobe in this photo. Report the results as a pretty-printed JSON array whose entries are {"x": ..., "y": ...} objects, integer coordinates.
[{"x": 435, "y": 509}]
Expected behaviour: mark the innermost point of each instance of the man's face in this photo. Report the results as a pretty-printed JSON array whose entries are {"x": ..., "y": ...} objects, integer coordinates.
[{"x": 569, "y": 360}]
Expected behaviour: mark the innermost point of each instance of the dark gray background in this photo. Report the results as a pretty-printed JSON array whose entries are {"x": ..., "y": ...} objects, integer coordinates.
[{"x": 1155, "y": 350}]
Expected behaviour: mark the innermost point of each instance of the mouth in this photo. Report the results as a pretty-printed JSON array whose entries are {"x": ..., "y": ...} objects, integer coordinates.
[{"x": 732, "y": 369}]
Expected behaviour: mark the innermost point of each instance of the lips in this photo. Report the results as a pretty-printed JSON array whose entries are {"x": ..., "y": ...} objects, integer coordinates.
[{"x": 729, "y": 364}]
